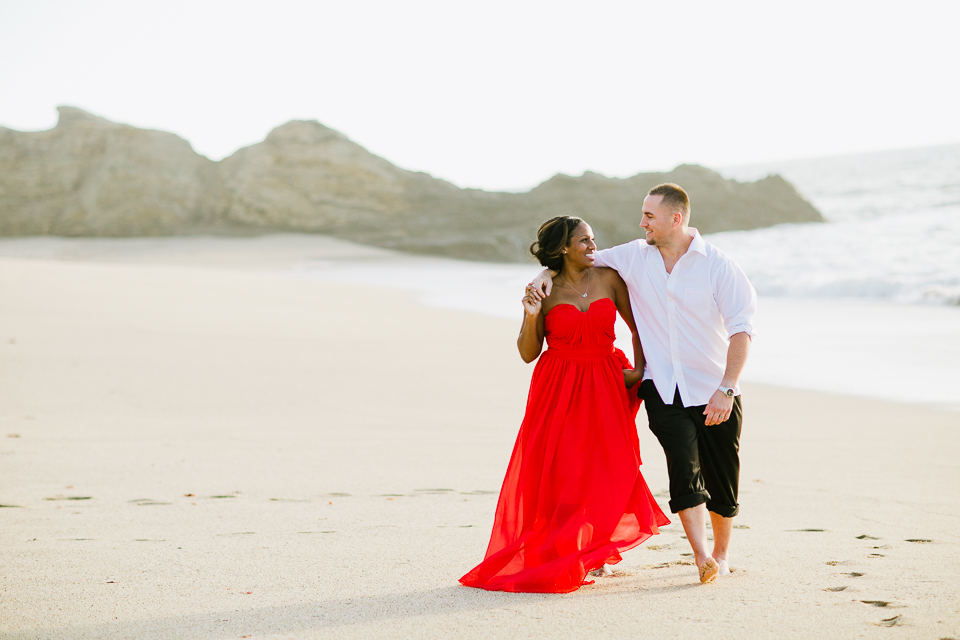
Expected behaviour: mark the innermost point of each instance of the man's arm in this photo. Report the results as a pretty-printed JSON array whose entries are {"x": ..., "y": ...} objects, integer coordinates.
[
  {"x": 736, "y": 298},
  {"x": 543, "y": 283},
  {"x": 720, "y": 406},
  {"x": 737, "y": 301}
]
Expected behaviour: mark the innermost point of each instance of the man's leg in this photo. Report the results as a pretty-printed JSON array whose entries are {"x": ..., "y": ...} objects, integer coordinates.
[
  {"x": 720, "y": 459},
  {"x": 677, "y": 434},
  {"x": 694, "y": 522},
  {"x": 722, "y": 531}
]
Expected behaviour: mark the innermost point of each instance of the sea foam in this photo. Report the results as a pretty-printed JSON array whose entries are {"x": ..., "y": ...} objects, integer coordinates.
[{"x": 892, "y": 230}]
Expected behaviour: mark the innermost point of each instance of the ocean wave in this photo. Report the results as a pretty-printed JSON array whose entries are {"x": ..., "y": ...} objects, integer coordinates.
[
  {"x": 914, "y": 260},
  {"x": 864, "y": 186},
  {"x": 893, "y": 230}
]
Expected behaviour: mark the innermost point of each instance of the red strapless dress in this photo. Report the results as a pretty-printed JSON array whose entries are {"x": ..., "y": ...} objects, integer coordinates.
[{"x": 573, "y": 498}]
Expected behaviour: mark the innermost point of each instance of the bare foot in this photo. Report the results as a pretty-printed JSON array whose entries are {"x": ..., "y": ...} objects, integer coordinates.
[
  {"x": 603, "y": 572},
  {"x": 709, "y": 570},
  {"x": 724, "y": 568}
]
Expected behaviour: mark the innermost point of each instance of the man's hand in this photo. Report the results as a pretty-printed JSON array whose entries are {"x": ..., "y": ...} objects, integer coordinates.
[
  {"x": 718, "y": 409},
  {"x": 542, "y": 285}
]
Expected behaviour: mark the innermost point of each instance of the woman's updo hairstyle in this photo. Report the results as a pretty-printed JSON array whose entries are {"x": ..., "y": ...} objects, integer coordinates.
[{"x": 552, "y": 238}]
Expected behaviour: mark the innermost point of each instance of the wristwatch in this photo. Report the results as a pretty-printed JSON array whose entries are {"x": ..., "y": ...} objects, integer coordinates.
[{"x": 727, "y": 391}]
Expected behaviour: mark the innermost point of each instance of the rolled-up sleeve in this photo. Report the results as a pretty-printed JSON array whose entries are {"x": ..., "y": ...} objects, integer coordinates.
[{"x": 736, "y": 298}]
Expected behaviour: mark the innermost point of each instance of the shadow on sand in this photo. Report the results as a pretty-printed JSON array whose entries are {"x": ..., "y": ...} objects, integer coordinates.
[{"x": 325, "y": 614}]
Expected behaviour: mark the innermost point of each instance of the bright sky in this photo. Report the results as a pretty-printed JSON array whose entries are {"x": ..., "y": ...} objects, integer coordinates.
[{"x": 500, "y": 94}]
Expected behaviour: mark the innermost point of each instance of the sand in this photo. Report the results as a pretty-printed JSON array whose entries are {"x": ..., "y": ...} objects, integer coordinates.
[{"x": 197, "y": 443}]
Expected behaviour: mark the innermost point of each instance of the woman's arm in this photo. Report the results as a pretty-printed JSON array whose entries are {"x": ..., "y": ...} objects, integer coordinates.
[
  {"x": 530, "y": 342},
  {"x": 621, "y": 297}
]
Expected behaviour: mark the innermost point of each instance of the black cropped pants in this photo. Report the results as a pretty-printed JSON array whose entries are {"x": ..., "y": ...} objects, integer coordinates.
[{"x": 703, "y": 462}]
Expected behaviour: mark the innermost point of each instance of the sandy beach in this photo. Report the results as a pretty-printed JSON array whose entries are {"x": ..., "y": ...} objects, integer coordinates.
[{"x": 197, "y": 443}]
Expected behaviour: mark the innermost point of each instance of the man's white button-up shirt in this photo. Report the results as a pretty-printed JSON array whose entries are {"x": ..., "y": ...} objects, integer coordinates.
[{"x": 684, "y": 318}]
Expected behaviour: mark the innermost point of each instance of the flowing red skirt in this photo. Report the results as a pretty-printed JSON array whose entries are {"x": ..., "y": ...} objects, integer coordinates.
[{"x": 573, "y": 497}]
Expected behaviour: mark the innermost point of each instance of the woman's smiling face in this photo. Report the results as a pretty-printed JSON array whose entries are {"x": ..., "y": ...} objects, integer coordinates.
[{"x": 582, "y": 248}]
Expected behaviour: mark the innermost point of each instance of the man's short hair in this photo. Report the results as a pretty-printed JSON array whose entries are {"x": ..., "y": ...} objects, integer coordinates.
[{"x": 673, "y": 197}]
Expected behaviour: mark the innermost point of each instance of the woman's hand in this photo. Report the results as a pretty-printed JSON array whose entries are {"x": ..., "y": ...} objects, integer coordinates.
[
  {"x": 530, "y": 341},
  {"x": 531, "y": 303},
  {"x": 542, "y": 285},
  {"x": 632, "y": 376}
]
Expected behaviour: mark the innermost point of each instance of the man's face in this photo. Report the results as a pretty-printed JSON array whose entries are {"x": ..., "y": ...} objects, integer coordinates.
[{"x": 656, "y": 220}]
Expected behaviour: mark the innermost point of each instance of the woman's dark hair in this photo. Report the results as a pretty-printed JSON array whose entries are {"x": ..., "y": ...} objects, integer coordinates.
[{"x": 553, "y": 236}]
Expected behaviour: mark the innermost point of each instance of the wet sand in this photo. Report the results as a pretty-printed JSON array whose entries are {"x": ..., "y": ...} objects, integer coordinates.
[{"x": 198, "y": 444}]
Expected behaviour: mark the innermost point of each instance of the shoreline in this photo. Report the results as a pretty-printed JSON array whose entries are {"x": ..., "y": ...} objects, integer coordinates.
[{"x": 854, "y": 347}]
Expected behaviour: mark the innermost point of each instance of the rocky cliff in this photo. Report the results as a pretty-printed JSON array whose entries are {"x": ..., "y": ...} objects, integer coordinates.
[{"x": 91, "y": 177}]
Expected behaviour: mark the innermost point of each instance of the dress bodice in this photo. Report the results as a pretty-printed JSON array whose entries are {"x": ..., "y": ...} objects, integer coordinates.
[{"x": 566, "y": 327}]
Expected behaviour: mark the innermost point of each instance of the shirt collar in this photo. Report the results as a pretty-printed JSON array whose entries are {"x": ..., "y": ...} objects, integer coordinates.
[{"x": 698, "y": 244}]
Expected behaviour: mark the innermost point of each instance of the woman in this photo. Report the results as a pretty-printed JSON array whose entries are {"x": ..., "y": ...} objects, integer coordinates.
[{"x": 573, "y": 498}]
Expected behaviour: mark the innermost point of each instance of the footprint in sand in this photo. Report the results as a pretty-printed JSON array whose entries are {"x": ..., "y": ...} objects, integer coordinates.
[
  {"x": 918, "y": 540},
  {"x": 835, "y": 588},
  {"x": 889, "y": 622},
  {"x": 664, "y": 565},
  {"x": 238, "y": 533},
  {"x": 316, "y": 532},
  {"x": 866, "y": 537},
  {"x": 876, "y": 603},
  {"x": 854, "y": 574}
]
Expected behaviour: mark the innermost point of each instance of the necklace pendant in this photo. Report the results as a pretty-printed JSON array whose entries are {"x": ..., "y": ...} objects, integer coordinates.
[{"x": 583, "y": 295}]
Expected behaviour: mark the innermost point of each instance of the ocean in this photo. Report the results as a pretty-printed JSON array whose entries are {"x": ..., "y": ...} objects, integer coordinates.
[
  {"x": 892, "y": 231},
  {"x": 866, "y": 304}
]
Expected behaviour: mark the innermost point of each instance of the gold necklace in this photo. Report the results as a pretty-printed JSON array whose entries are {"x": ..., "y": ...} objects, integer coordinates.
[{"x": 586, "y": 287}]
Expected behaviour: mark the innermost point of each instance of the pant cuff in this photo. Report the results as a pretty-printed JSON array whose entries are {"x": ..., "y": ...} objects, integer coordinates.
[
  {"x": 688, "y": 501},
  {"x": 723, "y": 510}
]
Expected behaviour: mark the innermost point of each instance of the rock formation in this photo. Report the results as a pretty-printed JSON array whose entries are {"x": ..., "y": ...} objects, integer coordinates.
[{"x": 91, "y": 177}]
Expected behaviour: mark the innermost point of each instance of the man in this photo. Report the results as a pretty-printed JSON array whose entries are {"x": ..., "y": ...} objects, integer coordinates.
[{"x": 694, "y": 308}]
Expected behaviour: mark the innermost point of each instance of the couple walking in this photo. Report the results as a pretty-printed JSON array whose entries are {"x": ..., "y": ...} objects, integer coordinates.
[{"x": 573, "y": 497}]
